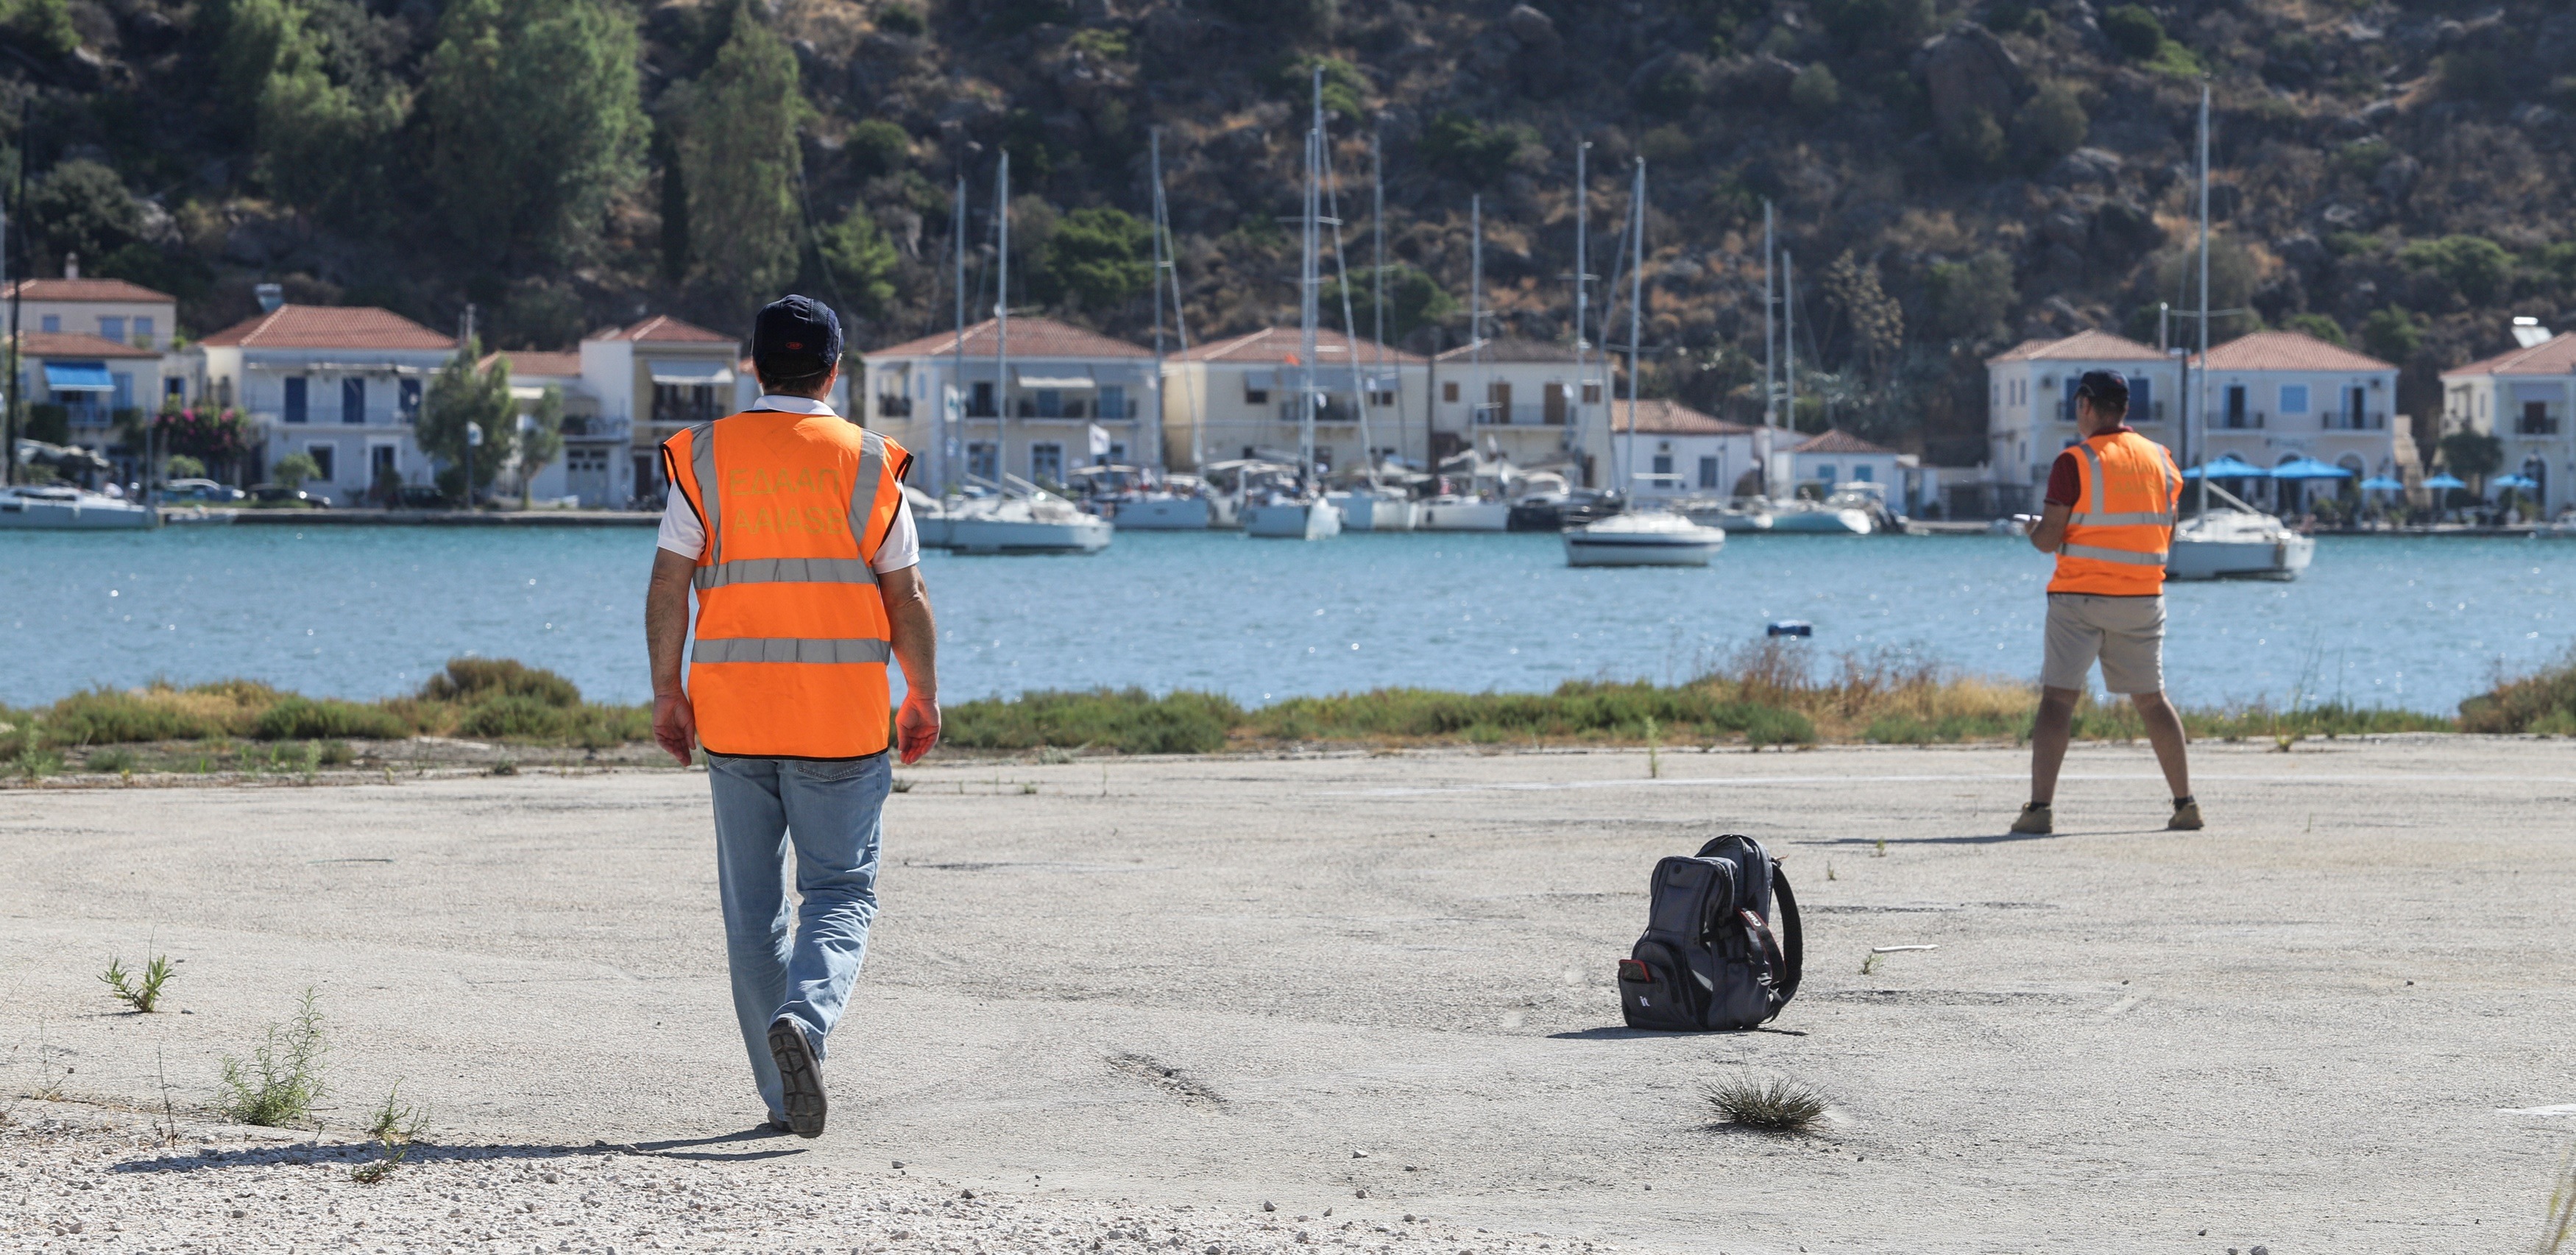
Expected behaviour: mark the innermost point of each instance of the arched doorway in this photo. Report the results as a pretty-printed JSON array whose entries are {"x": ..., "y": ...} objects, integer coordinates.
[{"x": 2536, "y": 469}]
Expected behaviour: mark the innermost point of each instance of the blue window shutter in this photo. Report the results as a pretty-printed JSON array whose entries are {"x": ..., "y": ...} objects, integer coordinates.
[
  {"x": 2067, "y": 411},
  {"x": 353, "y": 401},
  {"x": 295, "y": 399},
  {"x": 2142, "y": 398}
]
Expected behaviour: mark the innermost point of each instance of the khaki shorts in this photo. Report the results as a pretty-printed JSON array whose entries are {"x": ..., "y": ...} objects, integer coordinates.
[{"x": 2126, "y": 633}]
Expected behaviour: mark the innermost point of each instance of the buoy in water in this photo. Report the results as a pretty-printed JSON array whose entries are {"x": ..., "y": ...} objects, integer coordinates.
[{"x": 1791, "y": 627}]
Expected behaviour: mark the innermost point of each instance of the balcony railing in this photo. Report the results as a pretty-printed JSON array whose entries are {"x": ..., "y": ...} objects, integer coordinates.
[
  {"x": 2529, "y": 426},
  {"x": 894, "y": 405},
  {"x": 2345, "y": 420},
  {"x": 1522, "y": 414}
]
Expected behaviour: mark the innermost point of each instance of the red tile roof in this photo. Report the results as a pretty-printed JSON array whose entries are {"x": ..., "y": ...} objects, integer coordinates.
[
  {"x": 565, "y": 365},
  {"x": 2553, "y": 356},
  {"x": 1513, "y": 349},
  {"x": 117, "y": 290},
  {"x": 76, "y": 344},
  {"x": 665, "y": 329},
  {"x": 1840, "y": 441},
  {"x": 1672, "y": 418},
  {"x": 2083, "y": 346},
  {"x": 2287, "y": 350},
  {"x": 1030, "y": 337},
  {"x": 329, "y": 327},
  {"x": 1275, "y": 346}
]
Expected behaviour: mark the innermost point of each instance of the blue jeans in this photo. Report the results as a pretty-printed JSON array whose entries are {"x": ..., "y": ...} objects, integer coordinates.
[{"x": 831, "y": 814}]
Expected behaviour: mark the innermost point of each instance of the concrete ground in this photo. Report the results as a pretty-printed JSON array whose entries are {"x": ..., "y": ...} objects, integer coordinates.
[{"x": 2337, "y": 1020}]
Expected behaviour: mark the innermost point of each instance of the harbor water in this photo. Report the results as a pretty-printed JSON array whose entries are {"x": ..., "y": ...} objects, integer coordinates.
[{"x": 364, "y": 612}]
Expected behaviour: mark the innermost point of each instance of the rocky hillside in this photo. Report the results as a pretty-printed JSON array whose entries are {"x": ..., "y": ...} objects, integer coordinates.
[{"x": 1950, "y": 177}]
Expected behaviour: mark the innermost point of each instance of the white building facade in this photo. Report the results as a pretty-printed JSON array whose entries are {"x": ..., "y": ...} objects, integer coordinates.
[
  {"x": 1029, "y": 414},
  {"x": 1538, "y": 404},
  {"x": 340, "y": 384},
  {"x": 1676, "y": 451},
  {"x": 2030, "y": 400},
  {"x": 2526, "y": 399},
  {"x": 2279, "y": 396},
  {"x": 1237, "y": 398}
]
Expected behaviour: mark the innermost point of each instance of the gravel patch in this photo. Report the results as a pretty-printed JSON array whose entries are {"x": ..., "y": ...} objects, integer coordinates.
[{"x": 87, "y": 1179}]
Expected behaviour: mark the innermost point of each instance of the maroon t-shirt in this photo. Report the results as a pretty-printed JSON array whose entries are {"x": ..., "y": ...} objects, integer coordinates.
[{"x": 2065, "y": 478}]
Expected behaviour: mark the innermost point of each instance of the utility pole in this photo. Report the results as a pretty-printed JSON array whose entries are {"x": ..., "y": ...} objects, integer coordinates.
[
  {"x": 1582, "y": 288},
  {"x": 1636, "y": 305},
  {"x": 13, "y": 415}
]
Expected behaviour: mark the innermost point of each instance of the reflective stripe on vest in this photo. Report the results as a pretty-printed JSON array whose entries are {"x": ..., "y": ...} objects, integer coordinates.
[
  {"x": 2099, "y": 554},
  {"x": 785, "y": 571},
  {"x": 863, "y": 494},
  {"x": 702, "y": 474},
  {"x": 790, "y": 649},
  {"x": 2161, "y": 518}
]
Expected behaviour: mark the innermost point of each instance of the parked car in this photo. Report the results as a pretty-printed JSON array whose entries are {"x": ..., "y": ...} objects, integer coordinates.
[
  {"x": 420, "y": 497},
  {"x": 279, "y": 496},
  {"x": 204, "y": 491}
]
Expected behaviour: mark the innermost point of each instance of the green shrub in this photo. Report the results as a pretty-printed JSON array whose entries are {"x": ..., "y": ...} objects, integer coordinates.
[
  {"x": 1816, "y": 92},
  {"x": 1469, "y": 151},
  {"x": 104, "y": 716},
  {"x": 2133, "y": 31},
  {"x": 2474, "y": 265},
  {"x": 467, "y": 679},
  {"x": 2321, "y": 326},
  {"x": 2543, "y": 702},
  {"x": 44, "y": 25},
  {"x": 517, "y": 716},
  {"x": 283, "y": 1079},
  {"x": 1131, "y": 721},
  {"x": 901, "y": 19},
  {"x": 878, "y": 146},
  {"x": 309, "y": 719}
]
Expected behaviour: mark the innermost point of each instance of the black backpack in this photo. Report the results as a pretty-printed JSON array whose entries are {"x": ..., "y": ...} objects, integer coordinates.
[{"x": 1711, "y": 958}]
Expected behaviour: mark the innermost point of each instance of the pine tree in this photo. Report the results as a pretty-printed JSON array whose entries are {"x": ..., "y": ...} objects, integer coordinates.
[
  {"x": 535, "y": 125},
  {"x": 740, "y": 163}
]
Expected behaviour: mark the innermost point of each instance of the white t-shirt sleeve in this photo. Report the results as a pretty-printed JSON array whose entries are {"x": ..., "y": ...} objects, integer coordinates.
[{"x": 684, "y": 535}]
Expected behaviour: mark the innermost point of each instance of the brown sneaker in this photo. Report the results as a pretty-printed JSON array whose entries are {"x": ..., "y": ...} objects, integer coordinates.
[
  {"x": 2186, "y": 817},
  {"x": 2034, "y": 820}
]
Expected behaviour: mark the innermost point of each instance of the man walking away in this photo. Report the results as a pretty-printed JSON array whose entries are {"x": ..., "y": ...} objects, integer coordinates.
[
  {"x": 2109, "y": 519},
  {"x": 790, "y": 522}
]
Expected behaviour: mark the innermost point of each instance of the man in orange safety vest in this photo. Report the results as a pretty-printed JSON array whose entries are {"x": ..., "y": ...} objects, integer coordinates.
[
  {"x": 2109, "y": 518},
  {"x": 789, "y": 522}
]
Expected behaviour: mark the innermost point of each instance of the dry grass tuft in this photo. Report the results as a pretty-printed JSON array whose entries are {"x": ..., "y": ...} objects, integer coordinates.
[{"x": 1779, "y": 1105}]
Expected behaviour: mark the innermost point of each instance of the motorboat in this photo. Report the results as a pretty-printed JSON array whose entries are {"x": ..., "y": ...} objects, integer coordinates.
[
  {"x": 2236, "y": 542},
  {"x": 61, "y": 507},
  {"x": 1374, "y": 510},
  {"x": 1819, "y": 517},
  {"x": 1024, "y": 519},
  {"x": 1161, "y": 512},
  {"x": 2563, "y": 529},
  {"x": 1643, "y": 538},
  {"x": 1450, "y": 512},
  {"x": 1136, "y": 499},
  {"x": 1556, "y": 511},
  {"x": 929, "y": 517},
  {"x": 1744, "y": 515}
]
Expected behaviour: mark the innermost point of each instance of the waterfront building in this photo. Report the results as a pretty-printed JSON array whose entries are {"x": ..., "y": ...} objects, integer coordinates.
[
  {"x": 2030, "y": 405},
  {"x": 340, "y": 384},
  {"x": 80, "y": 387},
  {"x": 110, "y": 309},
  {"x": 1678, "y": 451},
  {"x": 1036, "y": 423},
  {"x": 590, "y": 445},
  {"x": 2276, "y": 397},
  {"x": 649, "y": 380},
  {"x": 2526, "y": 399},
  {"x": 1835, "y": 456},
  {"x": 1525, "y": 400},
  {"x": 1244, "y": 392}
]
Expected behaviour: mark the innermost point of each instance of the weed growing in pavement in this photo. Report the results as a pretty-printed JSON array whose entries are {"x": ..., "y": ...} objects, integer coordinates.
[
  {"x": 49, "y": 1081},
  {"x": 395, "y": 1126},
  {"x": 1879, "y": 850},
  {"x": 1780, "y": 1105},
  {"x": 142, "y": 995},
  {"x": 284, "y": 1077},
  {"x": 110, "y": 762},
  {"x": 2559, "y": 1227},
  {"x": 1028, "y": 788},
  {"x": 1869, "y": 963},
  {"x": 900, "y": 785},
  {"x": 1654, "y": 750},
  {"x": 1829, "y": 870},
  {"x": 1054, "y": 755}
]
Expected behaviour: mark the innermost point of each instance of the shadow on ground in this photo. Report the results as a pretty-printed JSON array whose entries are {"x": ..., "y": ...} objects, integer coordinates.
[{"x": 701, "y": 1149}]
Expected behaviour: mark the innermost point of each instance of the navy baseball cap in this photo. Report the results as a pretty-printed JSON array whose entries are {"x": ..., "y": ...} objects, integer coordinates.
[
  {"x": 795, "y": 335},
  {"x": 2107, "y": 387}
]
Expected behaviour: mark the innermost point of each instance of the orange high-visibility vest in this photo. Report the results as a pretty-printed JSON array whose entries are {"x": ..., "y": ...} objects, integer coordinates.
[
  {"x": 790, "y": 660},
  {"x": 2122, "y": 523}
]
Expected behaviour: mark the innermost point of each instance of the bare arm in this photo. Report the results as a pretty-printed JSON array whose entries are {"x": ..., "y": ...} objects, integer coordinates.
[
  {"x": 666, "y": 631},
  {"x": 916, "y": 648},
  {"x": 2050, "y": 531}
]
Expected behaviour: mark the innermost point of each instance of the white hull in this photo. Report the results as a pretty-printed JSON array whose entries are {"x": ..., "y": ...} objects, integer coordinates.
[
  {"x": 1164, "y": 514},
  {"x": 990, "y": 535},
  {"x": 1727, "y": 519},
  {"x": 1652, "y": 538},
  {"x": 1825, "y": 522},
  {"x": 1358, "y": 513},
  {"x": 1464, "y": 516},
  {"x": 2277, "y": 559},
  {"x": 1293, "y": 520},
  {"x": 1362, "y": 512},
  {"x": 71, "y": 510}
]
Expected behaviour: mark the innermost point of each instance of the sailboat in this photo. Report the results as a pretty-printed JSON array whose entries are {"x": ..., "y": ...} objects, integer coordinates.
[
  {"x": 2234, "y": 541},
  {"x": 1015, "y": 516},
  {"x": 1642, "y": 537},
  {"x": 1470, "y": 511},
  {"x": 1166, "y": 503},
  {"x": 1297, "y": 512}
]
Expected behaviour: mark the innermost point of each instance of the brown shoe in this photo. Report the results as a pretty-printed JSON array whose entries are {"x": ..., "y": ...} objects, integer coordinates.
[
  {"x": 2186, "y": 817},
  {"x": 2034, "y": 820}
]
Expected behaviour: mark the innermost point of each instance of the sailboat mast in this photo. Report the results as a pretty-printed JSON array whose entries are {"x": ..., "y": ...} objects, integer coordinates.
[
  {"x": 1156, "y": 138},
  {"x": 1002, "y": 323},
  {"x": 1770, "y": 333},
  {"x": 1475, "y": 313},
  {"x": 2204, "y": 295},
  {"x": 1636, "y": 303},
  {"x": 947, "y": 438},
  {"x": 1309, "y": 275},
  {"x": 1582, "y": 275},
  {"x": 1789, "y": 340}
]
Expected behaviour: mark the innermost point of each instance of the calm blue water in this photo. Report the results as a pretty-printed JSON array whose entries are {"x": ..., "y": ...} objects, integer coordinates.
[{"x": 371, "y": 611}]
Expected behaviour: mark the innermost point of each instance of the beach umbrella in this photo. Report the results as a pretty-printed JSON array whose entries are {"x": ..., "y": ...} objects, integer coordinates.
[
  {"x": 2445, "y": 480},
  {"x": 2309, "y": 468},
  {"x": 2382, "y": 483},
  {"x": 2512, "y": 481},
  {"x": 2228, "y": 466}
]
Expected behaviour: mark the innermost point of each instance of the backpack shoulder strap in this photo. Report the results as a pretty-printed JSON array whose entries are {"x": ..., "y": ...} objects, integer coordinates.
[{"x": 1793, "y": 944}]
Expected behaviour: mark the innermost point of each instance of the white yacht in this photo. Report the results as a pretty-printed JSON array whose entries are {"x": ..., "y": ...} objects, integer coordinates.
[
  {"x": 1375, "y": 510},
  {"x": 1024, "y": 519},
  {"x": 1645, "y": 538},
  {"x": 1293, "y": 518},
  {"x": 1821, "y": 517},
  {"x": 1162, "y": 512},
  {"x": 2236, "y": 542},
  {"x": 1450, "y": 512},
  {"x": 929, "y": 517},
  {"x": 1751, "y": 514},
  {"x": 59, "y": 507}
]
